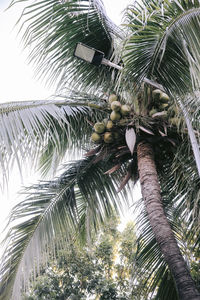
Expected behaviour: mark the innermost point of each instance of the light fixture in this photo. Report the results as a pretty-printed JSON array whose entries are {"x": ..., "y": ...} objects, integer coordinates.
[
  {"x": 88, "y": 54},
  {"x": 93, "y": 56}
]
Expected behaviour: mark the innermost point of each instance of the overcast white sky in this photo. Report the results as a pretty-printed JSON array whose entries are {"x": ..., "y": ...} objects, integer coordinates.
[{"x": 17, "y": 81}]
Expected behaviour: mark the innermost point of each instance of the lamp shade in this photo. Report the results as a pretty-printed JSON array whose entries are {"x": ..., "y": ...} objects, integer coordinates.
[{"x": 88, "y": 54}]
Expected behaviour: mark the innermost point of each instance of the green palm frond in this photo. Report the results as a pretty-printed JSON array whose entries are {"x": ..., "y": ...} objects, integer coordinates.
[
  {"x": 53, "y": 28},
  {"x": 82, "y": 110},
  {"x": 192, "y": 103},
  {"x": 64, "y": 205},
  {"x": 183, "y": 185},
  {"x": 180, "y": 181},
  {"x": 163, "y": 44},
  {"x": 25, "y": 128},
  {"x": 46, "y": 129}
]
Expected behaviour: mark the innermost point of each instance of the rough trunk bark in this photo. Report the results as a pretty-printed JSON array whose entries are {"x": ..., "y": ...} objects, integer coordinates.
[{"x": 163, "y": 233}]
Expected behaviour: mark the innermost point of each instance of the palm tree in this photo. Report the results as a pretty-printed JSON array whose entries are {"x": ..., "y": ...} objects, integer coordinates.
[{"x": 149, "y": 143}]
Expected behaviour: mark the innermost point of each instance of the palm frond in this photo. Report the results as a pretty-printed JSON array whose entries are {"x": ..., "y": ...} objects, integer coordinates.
[
  {"x": 25, "y": 128},
  {"x": 179, "y": 179},
  {"x": 82, "y": 110},
  {"x": 46, "y": 129},
  {"x": 53, "y": 207},
  {"x": 183, "y": 185},
  {"x": 53, "y": 28},
  {"x": 163, "y": 44}
]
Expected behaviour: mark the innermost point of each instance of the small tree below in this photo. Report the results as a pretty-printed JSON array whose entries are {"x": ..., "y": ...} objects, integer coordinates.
[{"x": 99, "y": 272}]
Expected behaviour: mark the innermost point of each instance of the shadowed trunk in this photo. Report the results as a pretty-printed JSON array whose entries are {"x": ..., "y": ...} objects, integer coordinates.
[{"x": 163, "y": 233}]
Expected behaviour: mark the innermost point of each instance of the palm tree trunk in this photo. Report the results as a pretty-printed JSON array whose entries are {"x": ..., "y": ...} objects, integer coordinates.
[{"x": 163, "y": 233}]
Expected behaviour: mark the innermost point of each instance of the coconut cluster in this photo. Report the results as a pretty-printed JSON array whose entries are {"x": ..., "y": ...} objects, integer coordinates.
[
  {"x": 107, "y": 130},
  {"x": 162, "y": 108},
  {"x": 160, "y": 102}
]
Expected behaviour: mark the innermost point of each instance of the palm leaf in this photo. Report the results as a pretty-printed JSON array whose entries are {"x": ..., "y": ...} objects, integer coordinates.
[
  {"x": 163, "y": 44},
  {"x": 46, "y": 129},
  {"x": 53, "y": 207},
  {"x": 25, "y": 128},
  {"x": 53, "y": 28},
  {"x": 81, "y": 108}
]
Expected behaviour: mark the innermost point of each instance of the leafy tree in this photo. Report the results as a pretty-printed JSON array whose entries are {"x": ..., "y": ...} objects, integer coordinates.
[
  {"x": 159, "y": 51},
  {"x": 89, "y": 272}
]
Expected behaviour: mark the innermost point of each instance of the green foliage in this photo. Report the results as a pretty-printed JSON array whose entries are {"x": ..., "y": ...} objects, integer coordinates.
[
  {"x": 79, "y": 273},
  {"x": 161, "y": 42}
]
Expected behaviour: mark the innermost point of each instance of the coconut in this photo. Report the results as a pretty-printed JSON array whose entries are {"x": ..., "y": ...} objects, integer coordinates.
[
  {"x": 105, "y": 121},
  {"x": 156, "y": 94},
  {"x": 125, "y": 110},
  {"x": 164, "y": 98},
  {"x": 99, "y": 127},
  {"x": 112, "y": 98},
  {"x": 95, "y": 137},
  {"x": 164, "y": 105},
  {"x": 116, "y": 105},
  {"x": 108, "y": 137},
  {"x": 115, "y": 116},
  {"x": 109, "y": 124}
]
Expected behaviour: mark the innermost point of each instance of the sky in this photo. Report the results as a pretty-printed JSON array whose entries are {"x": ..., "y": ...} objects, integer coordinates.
[{"x": 18, "y": 83}]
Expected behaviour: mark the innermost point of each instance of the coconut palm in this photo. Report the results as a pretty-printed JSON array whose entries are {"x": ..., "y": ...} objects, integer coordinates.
[{"x": 146, "y": 139}]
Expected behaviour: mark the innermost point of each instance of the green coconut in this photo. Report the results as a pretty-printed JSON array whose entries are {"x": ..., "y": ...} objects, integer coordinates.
[
  {"x": 109, "y": 125},
  {"x": 156, "y": 94},
  {"x": 95, "y": 137},
  {"x": 108, "y": 137},
  {"x": 112, "y": 98},
  {"x": 115, "y": 116},
  {"x": 99, "y": 127},
  {"x": 164, "y": 105},
  {"x": 116, "y": 105},
  {"x": 125, "y": 110},
  {"x": 105, "y": 121},
  {"x": 164, "y": 97}
]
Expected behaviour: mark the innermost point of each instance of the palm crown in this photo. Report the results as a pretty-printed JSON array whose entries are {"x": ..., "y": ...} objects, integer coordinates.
[{"x": 159, "y": 42}]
